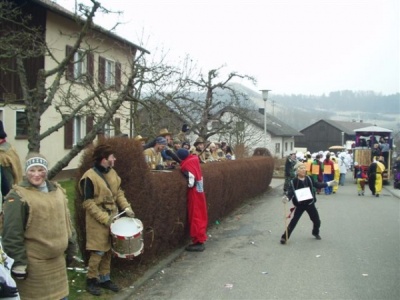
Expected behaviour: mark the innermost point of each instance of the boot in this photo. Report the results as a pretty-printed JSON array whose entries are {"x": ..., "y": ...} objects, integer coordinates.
[
  {"x": 109, "y": 285},
  {"x": 198, "y": 247},
  {"x": 92, "y": 286},
  {"x": 317, "y": 236}
]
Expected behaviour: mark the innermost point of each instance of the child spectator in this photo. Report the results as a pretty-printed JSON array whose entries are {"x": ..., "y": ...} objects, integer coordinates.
[{"x": 361, "y": 176}]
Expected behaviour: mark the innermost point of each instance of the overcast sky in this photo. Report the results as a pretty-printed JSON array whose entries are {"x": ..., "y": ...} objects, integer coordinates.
[{"x": 289, "y": 46}]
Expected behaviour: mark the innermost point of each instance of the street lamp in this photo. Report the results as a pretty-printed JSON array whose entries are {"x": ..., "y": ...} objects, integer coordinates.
[
  {"x": 342, "y": 138},
  {"x": 265, "y": 98}
]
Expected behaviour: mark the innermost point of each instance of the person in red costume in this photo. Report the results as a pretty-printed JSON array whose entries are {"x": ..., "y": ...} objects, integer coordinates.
[{"x": 196, "y": 199}]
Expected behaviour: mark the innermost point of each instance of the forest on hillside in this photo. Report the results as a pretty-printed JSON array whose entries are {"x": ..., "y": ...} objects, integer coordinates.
[
  {"x": 299, "y": 111},
  {"x": 365, "y": 101}
]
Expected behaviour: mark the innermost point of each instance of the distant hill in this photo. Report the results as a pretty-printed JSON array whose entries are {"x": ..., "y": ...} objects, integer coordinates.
[{"x": 300, "y": 111}]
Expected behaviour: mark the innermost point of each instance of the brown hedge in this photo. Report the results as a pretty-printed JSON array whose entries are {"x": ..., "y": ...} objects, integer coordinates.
[{"x": 159, "y": 199}]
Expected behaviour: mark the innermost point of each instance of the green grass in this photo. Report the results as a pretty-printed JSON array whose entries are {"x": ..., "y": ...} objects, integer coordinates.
[
  {"x": 76, "y": 279},
  {"x": 69, "y": 186}
]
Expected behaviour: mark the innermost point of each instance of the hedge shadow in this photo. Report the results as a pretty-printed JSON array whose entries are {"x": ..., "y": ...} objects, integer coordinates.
[{"x": 159, "y": 198}]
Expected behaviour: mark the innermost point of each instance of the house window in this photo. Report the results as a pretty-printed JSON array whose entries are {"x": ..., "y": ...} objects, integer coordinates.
[
  {"x": 286, "y": 148},
  {"x": 291, "y": 145},
  {"x": 77, "y": 133},
  {"x": 277, "y": 148},
  {"x": 112, "y": 128},
  {"x": 109, "y": 73},
  {"x": 76, "y": 129},
  {"x": 108, "y": 130},
  {"x": 21, "y": 124},
  {"x": 80, "y": 66}
]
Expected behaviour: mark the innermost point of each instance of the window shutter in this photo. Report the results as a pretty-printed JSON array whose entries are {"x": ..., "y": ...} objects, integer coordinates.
[
  {"x": 117, "y": 76},
  {"x": 90, "y": 66},
  {"x": 89, "y": 123},
  {"x": 68, "y": 134},
  {"x": 70, "y": 67},
  {"x": 102, "y": 70},
  {"x": 117, "y": 122}
]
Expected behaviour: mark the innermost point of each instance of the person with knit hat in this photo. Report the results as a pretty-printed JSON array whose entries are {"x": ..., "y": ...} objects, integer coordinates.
[
  {"x": 103, "y": 197},
  {"x": 38, "y": 233},
  {"x": 153, "y": 155},
  {"x": 301, "y": 192},
  {"x": 196, "y": 200},
  {"x": 9, "y": 160}
]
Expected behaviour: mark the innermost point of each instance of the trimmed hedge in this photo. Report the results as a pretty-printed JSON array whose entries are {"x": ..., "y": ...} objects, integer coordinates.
[{"x": 159, "y": 198}]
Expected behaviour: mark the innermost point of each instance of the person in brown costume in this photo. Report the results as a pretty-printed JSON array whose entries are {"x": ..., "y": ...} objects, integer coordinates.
[
  {"x": 103, "y": 196},
  {"x": 38, "y": 233}
]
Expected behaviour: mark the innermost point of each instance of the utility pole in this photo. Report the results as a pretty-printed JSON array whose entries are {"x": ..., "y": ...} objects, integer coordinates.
[
  {"x": 273, "y": 108},
  {"x": 265, "y": 98}
]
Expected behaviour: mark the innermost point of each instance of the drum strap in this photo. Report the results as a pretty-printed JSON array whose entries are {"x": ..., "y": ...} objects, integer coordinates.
[{"x": 102, "y": 176}]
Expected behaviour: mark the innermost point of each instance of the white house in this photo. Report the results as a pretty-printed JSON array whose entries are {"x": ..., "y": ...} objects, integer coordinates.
[
  {"x": 250, "y": 131},
  {"x": 103, "y": 58}
]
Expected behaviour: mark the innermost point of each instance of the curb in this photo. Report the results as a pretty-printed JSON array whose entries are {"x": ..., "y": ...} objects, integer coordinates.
[
  {"x": 397, "y": 195},
  {"x": 128, "y": 293}
]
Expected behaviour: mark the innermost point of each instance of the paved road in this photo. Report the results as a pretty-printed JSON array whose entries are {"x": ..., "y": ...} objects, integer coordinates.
[{"x": 357, "y": 258}]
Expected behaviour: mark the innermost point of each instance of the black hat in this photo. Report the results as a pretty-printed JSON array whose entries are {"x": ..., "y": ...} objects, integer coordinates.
[
  {"x": 3, "y": 134},
  {"x": 182, "y": 153},
  {"x": 185, "y": 127}
]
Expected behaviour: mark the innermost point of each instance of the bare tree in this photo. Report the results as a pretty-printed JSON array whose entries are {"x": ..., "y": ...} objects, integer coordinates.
[
  {"x": 242, "y": 132},
  {"x": 20, "y": 42},
  {"x": 197, "y": 97},
  {"x": 152, "y": 75}
]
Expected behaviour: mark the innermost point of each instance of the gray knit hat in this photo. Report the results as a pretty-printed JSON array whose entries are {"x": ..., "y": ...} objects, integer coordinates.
[{"x": 36, "y": 161}]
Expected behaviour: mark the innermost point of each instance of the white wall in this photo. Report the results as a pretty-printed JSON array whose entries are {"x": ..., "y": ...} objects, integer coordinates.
[{"x": 52, "y": 147}]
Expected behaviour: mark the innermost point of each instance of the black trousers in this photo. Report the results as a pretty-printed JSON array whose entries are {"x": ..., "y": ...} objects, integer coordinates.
[
  {"x": 371, "y": 182},
  {"x": 298, "y": 212}
]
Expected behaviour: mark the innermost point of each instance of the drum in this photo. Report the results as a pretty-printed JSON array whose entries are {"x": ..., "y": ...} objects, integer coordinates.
[{"x": 127, "y": 239}]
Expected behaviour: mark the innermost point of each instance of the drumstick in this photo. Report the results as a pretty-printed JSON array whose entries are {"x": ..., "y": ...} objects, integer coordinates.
[
  {"x": 78, "y": 259},
  {"x": 134, "y": 220},
  {"x": 121, "y": 213},
  {"x": 137, "y": 224}
]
